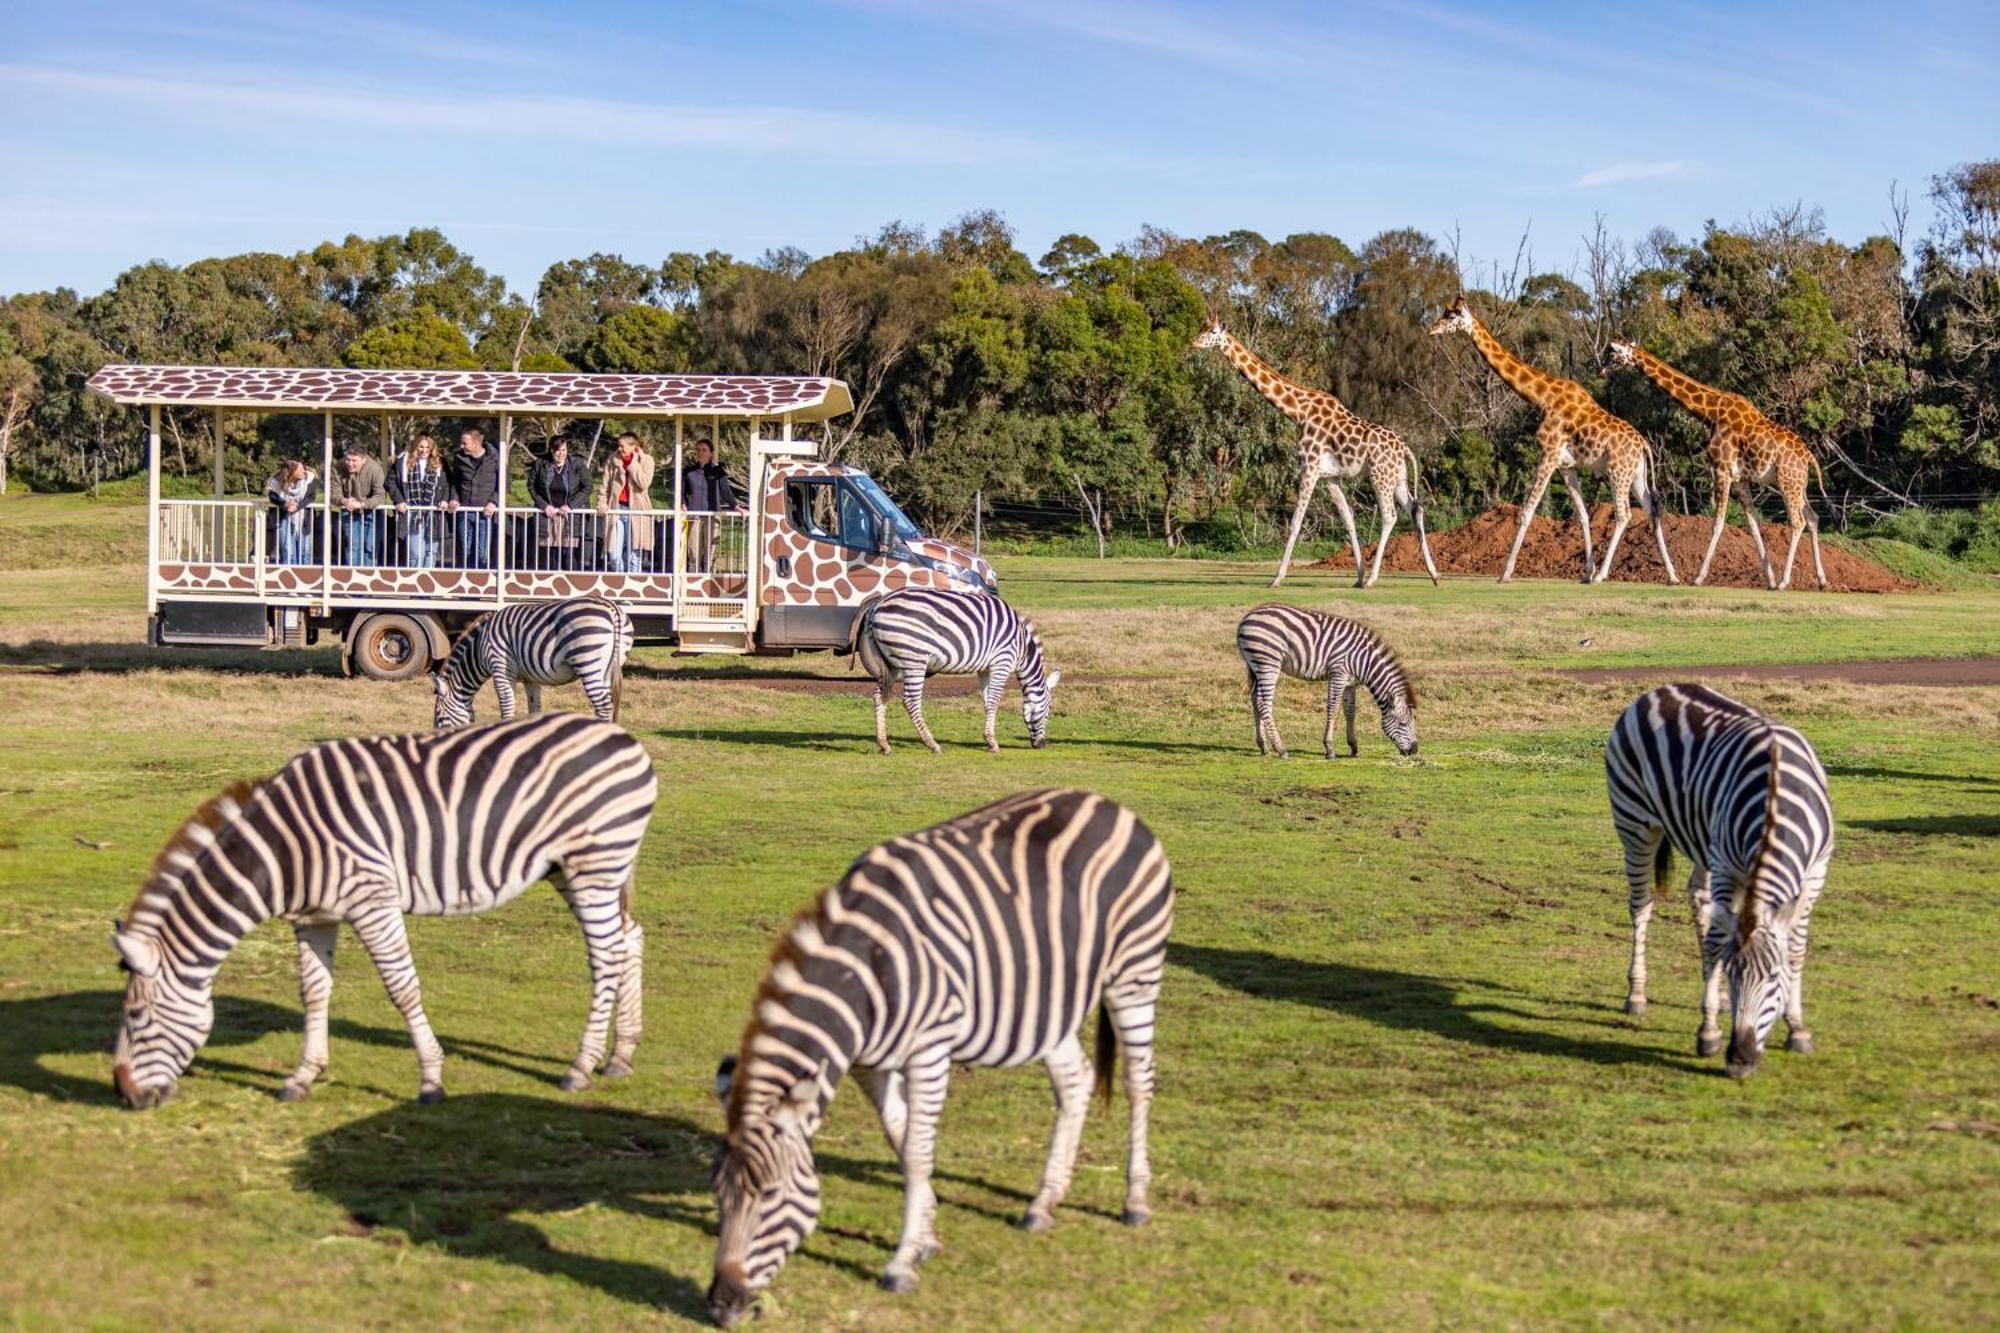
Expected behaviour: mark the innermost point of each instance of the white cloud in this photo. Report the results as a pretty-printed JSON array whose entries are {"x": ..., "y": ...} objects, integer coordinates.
[{"x": 1619, "y": 172}]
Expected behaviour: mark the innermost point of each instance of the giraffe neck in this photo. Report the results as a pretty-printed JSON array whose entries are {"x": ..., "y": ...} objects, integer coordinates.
[
  {"x": 1689, "y": 392},
  {"x": 1289, "y": 398},
  {"x": 1523, "y": 378}
]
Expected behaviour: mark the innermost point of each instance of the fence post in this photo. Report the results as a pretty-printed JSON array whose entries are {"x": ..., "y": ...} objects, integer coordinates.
[{"x": 978, "y": 503}]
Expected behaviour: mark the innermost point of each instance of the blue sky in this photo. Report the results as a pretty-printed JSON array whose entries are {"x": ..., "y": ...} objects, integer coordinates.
[{"x": 532, "y": 133}]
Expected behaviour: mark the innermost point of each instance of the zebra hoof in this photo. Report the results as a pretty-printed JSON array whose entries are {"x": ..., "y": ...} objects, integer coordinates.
[
  {"x": 1799, "y": 1043},
  {"x": 1035, "y": 1223},
  {"x": 1635, "y": 1006},
  {"x": 295, "y": 1092},
  {"x": 899, "y": 1284},
  {"x": 1136, "y": 1216},
  {"x": 575, "y": 1082},
  {"x": 429, "y": 1096},
  {"x": 617, "y": 1068},
  {"x": 1707, "y": 1043}
]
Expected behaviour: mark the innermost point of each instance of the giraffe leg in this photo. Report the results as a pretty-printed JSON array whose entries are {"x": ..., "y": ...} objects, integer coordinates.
[
  {"x": 1802, "y": 520},
  {"x": 1749, "y": 502},
  {"x": 1621, "y": 515},
  {"x": 1791, "y": 554},
  {"x": 1649, "y": 500},
  {"x": 1306, "y": 484},
  {"x": 315, "y": 996},
  {"x": 1574, "y": 486},
  {"x": 1715, "y": 533},
  {"x": 1385, "y": 505},
  {"x": 1528, "y": 507},
  {"x": 1819, "y": 570},
  {"x": 913, "y": 704},
  {"x": 1423, "y": 539},
  {"x": 1353, "y": 538}
]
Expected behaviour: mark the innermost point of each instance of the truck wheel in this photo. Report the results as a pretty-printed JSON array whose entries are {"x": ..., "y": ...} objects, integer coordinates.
[{"x": 390, "y": 647}]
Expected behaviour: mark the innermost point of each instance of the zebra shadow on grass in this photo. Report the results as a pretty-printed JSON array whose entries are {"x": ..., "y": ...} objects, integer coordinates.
[
  {"x": 49, "y": 657},
  {"x": 477, "y": 1175},
  {"x": 86, "y": 1022},
  {"x": 1411, "y": 1002}
]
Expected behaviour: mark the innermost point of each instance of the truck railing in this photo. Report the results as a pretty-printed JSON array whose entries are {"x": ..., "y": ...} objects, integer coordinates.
[{"x": 457, "y": 556}]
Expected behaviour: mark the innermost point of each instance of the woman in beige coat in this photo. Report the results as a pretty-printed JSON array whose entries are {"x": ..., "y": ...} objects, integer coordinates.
[{"x": 627, "y": 508}]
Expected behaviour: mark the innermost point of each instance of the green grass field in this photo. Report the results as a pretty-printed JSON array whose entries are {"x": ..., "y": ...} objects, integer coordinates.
[{"x": 1396, "y": 1086}]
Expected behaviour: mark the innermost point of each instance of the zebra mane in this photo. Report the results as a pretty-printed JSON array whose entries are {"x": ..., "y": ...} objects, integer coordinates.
[
  {"x": 196, "y": 831},
  {"x": 786, "y": 952},
  {"x": 1746, "y": 918}
]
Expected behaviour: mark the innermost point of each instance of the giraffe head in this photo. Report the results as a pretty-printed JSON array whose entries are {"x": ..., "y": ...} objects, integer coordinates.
[
  {"x": 1212, "y": 335},
  {"x": 1458, "y": 319},
  {"x": 1624, "y": 354}
]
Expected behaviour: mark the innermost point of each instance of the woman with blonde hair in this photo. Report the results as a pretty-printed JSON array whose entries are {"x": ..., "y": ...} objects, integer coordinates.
[{"x": 291, "y": 492}]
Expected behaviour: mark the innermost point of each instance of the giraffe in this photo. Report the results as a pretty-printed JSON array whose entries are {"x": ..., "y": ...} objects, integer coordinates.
[
  {"x": 1745, "y": 449},
  {"x": 1336, "y": 445},
  {"x": 1575, "y": 433}
]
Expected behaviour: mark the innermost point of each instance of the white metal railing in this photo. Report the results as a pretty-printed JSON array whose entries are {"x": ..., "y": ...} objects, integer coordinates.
[{"x": 210, "y": 532}]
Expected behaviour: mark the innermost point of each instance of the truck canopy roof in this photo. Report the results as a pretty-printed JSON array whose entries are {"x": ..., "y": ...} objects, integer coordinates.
[{"x": 473, "y": 392}]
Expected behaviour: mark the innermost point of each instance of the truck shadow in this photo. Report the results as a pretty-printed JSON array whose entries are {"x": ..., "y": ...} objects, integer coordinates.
[
  {"x": 123, "y": 659},
  {"x": 86, "y": 1022},
  {"x": 1956, "y": 826},
  {"x": 1410, "y": 1002}
]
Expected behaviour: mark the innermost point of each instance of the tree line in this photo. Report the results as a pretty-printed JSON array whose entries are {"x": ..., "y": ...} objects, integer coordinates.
[{"x": 1069, "y": 381}]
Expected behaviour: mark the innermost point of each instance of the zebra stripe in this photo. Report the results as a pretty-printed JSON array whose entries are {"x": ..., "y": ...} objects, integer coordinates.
[
  {"x": 982, "y": 941},
  {"x": 1744, "y": 798},
  {"x": 366, "y": 831},
  {"x": 585, "y": 639},
  {"x": 1276, "y": 640},
  {"x": 917, "y": 632}
]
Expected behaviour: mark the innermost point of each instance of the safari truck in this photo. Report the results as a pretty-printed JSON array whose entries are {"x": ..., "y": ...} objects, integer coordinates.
[{"x": 811, "y": 544}]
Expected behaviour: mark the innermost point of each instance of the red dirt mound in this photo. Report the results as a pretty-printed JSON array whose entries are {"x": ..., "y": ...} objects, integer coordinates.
[{"x": 1554, "y": 550}]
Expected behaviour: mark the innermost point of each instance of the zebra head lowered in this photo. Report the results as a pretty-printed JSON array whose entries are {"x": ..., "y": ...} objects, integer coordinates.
[
  {"x": 1760, "y": 915},
  {"x": 1038, "y": 686},
  {"x": 767, "y": 1192},
  {"x": 166, "y": 1020}
]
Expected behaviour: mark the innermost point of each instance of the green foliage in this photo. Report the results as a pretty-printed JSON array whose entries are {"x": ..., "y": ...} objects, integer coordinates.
[
  {"x": 413, "y": 342},
  {"x": 639, "y": 339}
]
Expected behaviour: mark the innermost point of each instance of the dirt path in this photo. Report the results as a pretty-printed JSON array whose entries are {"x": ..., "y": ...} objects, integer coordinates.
[
  {"x": 1932, "y": 671},
  {"x": 807, "y": 682}
]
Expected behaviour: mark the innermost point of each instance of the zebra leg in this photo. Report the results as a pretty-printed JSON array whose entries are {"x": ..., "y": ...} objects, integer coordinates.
[
  {"x": 1708, "y": 1037},
  {"x": 602, "y": 692},
  {"x": 926, "y": 1077},
  {"x": 1256, "y": 707},
  {"x": 599, "y": 909},
  {"x": 885, "y": 1088},
  {"x": 380, "y": 928},
  {"x": 1267, "y": 713},
  {"x": 882, "y": 715},
  {"x": 315, "y": 995},
  {"x": 1799, "y": 1038},
  {"x": 630, "y": 1018},
  {"x": 1642, "y": 859},
  {"x": 1337, "y": 685},
  {"x": 534, "y": 696},
  {"x": 1348, "y": 702},
  {"x": 996, "y": 682},
  {"x": 1132, "y": 1008},
  {"x": 1070, "y": 1076},
  {"x": 503, "y": 688},
  {"x": 913, "y": 703}
]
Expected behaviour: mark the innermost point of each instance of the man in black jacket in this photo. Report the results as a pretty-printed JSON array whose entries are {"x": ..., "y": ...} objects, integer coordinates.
[
  {"x": 705, "y": 492},
  {"x": 472, "y": 492},
  {"x": 559, "y": 485}
]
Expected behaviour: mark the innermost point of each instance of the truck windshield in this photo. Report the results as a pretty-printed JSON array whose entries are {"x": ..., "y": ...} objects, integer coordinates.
[{"x": 878, "y": 499}]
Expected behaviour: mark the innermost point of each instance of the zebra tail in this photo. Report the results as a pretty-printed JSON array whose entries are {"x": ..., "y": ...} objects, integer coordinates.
[{"x": 1107, "y": 1053}]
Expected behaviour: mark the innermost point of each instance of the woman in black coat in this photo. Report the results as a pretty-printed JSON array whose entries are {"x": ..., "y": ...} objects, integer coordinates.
[{"x": 559, "y": 486}]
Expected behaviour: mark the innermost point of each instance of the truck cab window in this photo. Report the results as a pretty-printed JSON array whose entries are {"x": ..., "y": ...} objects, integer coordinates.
[{"x": 829, "y": 509}]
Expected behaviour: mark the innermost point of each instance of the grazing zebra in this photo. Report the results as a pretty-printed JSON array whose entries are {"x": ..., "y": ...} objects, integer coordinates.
[
  {"x": 366, "y": 831},
  {"x": 982, "y": 941},
  {"x": 1744, "y": 798},
  {"x": 1279, "y": 640},
  {"x": 919, "y": 632},
  {"x": 584, "y": 639}
]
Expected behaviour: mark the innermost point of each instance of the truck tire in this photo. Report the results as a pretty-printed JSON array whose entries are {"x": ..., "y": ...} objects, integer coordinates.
[{"x": 390, "y": 646}]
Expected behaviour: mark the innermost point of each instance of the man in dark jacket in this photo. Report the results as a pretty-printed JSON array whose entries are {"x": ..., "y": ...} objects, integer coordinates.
[
  {"x": 559, "y": 485},
  {"x": 472, "y": 492},
  {"x": 705, "y": 492}
]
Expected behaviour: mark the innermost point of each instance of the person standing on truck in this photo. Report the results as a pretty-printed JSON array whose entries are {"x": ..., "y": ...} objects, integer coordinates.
[
  {"x": 357, "y": 489},
  {"x": 288, "y": 523},
  {"x": 559, "y": 484},
  {"x": 705, "y": 492},
  {"x": 472, "y": 491},
  {"x": 627, "y": 508},
  {"x": 416, "y": 479}
]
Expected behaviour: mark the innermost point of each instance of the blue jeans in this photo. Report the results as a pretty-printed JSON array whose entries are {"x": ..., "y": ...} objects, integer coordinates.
[
  {"x": 620, "y": 555},
  {"x": 295, "y": 543},
  {"x": 475, "y": 539},
  {"x": 420, "y": 540},
  {"x": 357, "y": 538}
]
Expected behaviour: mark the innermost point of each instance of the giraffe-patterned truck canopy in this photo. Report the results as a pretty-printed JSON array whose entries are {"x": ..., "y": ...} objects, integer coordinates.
[{"x": 472, "y": 392}]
